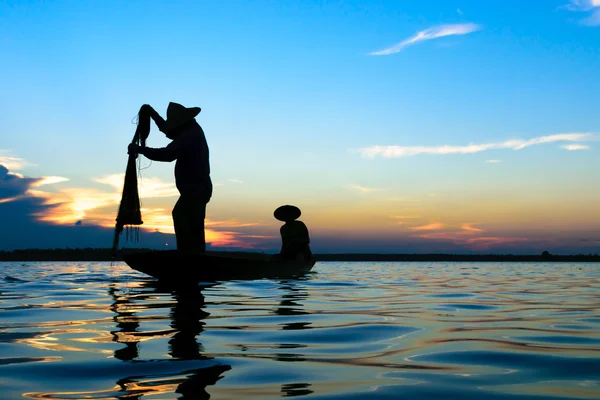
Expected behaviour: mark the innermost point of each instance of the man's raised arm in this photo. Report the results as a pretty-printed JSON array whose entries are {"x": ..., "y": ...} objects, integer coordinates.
[{"x": 158, "y": 120}]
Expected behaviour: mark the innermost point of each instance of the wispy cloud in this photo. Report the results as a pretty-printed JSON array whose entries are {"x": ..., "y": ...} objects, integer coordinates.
[
  {"x": 429, "y": 227},
  {"x": 459, "y": 11},
  {"x": 11, "y": 162},
  {"x": 149, "y": 187},
  {"x": 362, "y": 189},
  {"x": 403, "y": 219},
  {"x": 572, "y": 147},
  {"x": 514, "y": 144},
  {"x": 474, "y": 243},
  {"x": 231, "y": 223},
  {"x": 428, "y": 34},
  {"x": 493, "y": 161},
  {"x": 591, "y": 7},
  {"x": 470, "y": 228},
  {"x": 49, "y": 180},
  {"x": 468, "y": 235},
  {"x": 233, "y": 180}
]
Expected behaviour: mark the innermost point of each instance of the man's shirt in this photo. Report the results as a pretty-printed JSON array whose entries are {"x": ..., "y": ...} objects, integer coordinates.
[{"x": 192, "y": 169}]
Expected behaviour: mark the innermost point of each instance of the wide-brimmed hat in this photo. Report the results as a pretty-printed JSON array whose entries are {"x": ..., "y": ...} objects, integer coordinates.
[
  {"x": 287, "y": 213},
  {"x": 178, "y": 115}
]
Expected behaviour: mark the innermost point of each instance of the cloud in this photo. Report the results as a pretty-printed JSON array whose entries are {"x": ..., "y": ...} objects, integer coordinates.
[
  {"x": 591, "y": 7},
  {"x": 12, "y": 186},
  {"x": 593, "y": 19},
  {"x": 470, "y": 228},
  {"x": 49, "y": 180},
  {"x": 513, "y": 144},
  {"x": 493, "y": 161},
  {"x": 581, "y": 5},
  {"x": 429, "y": 227},
  {"x": 85, "y": 217},
  {"x": 362, "y": 189},
  {"x": 160, "y": 220},
  {"x": 428, "y": 34},
  {"x": 471, "y": 237},
  {"x": 403, "y": 219},
  {"x": 459, "y": 11},
  {"x": 22, "y": 228},
  {"x": 231, "y": 223},
  {"x": 148, "y": 187},
  {"x": 479, "y": 243},
  {"x": 572, "y": 147},
  {"x": 11, "y": 162},
  {"x": 235, "y": 180}
]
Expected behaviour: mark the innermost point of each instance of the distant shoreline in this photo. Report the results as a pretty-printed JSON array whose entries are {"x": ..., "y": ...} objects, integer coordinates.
[{"x": 90, "y": 254}]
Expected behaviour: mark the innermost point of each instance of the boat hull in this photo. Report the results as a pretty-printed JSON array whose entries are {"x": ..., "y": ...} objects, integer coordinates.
[{"x": 175, "y": 267}]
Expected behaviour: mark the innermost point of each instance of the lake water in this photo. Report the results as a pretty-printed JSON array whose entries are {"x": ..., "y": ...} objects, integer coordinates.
[{"x": 346, "y": 331}]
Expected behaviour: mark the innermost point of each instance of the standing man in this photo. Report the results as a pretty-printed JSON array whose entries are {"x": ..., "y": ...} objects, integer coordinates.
[{"x": 192, "y": 171}]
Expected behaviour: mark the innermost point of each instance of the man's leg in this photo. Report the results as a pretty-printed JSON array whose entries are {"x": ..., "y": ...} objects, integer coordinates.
[
  {"x": 188, "y": 219},
  {"x": 197, "y": 234},
  {"x": 179, "y": 223},
  {"x": 182, "y": 221}
]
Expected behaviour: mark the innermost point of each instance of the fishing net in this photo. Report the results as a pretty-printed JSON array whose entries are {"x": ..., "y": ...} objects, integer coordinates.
[{"x": 129, "y": 217}]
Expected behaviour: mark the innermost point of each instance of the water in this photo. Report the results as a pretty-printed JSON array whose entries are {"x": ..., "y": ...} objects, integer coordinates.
[{"x": 346, "y": 331}]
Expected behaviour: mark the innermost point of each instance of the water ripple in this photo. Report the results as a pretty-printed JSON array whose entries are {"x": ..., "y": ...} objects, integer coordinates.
[{"x": 347, "y": 331}]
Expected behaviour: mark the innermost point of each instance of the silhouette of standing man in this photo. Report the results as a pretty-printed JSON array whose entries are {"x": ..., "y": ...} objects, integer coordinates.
[{"x": 192, "y": 171}]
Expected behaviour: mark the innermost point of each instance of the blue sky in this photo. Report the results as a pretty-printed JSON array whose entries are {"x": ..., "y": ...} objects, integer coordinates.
[{"x": 293, "y": 96}]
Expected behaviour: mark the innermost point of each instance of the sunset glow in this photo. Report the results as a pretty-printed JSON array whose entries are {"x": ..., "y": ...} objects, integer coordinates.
[{"x": 432, "y": 129}]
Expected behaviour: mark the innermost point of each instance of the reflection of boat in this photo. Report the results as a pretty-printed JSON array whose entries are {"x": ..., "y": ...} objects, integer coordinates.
[{"x": 179, "y": 267}]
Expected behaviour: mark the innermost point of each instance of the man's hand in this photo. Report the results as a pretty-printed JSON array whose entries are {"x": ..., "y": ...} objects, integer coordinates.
[
  {"x": 147, "y": 108},
  {"x": 134, "y": 149}
]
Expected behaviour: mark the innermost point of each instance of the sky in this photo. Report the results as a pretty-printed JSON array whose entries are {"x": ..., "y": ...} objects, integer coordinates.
[{"x": 396, "y": 126}]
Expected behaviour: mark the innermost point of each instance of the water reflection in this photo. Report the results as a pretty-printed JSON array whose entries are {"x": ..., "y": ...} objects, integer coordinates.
[
  {"x": 127, "y": 324},
  {"x": 290, "y": 304},
  {"x": 295, "y": 389},
  {"x": 411, "y": 331},
  {"x": 186, "y": 317}
]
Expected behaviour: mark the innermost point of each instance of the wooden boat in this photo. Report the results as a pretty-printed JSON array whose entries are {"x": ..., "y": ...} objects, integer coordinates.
[{"x": 177, "y": 267}]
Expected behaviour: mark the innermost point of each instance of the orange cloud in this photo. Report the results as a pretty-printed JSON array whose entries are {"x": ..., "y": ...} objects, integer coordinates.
[
  {"x": 72, "y": 205},
  {"x": 148, "y": 187},
  {"x": 49, "y": 180},
  {"x": 464, "y": 236},
  {"x": 75, "y": 204},
  {"x": 469, "y": 228},
  {"x": 429, "y": 227},
  {"x": 9, "y": 199},
  {"x": 362, "y": 189},
  {"x": 99, "y": 207},
  {"x": 231, "y": 223}
]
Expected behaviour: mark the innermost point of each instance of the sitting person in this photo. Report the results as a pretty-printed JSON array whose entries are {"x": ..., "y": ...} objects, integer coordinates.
[{"x": 294, "y": 235}]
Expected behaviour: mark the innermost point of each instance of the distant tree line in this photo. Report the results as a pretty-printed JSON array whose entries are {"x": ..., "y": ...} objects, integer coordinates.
[{"x": 105, "y": 254}]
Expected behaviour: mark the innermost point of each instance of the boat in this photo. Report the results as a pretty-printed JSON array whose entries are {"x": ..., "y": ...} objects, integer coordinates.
[{"x": 177, "y": 267}]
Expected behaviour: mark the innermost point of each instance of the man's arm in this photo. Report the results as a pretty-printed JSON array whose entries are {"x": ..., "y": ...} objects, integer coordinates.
[
  {"x": 158, "y": 120},
  {"x": 166, "y": 154}
]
